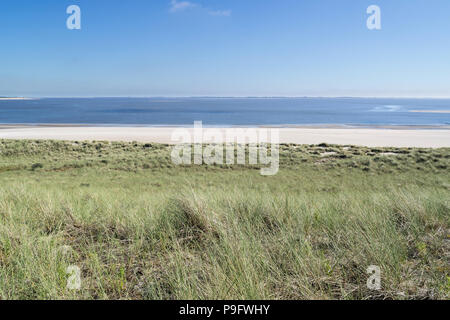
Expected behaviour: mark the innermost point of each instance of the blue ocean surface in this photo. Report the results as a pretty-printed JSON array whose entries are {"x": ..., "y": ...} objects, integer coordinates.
[{"x": 225, "y": 111}]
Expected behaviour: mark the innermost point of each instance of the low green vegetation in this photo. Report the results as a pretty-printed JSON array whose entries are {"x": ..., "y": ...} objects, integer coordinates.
[{"x": 139, "y": 227}]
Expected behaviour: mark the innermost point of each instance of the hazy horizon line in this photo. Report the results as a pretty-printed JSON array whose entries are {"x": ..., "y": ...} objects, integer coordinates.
[{"x": 225, "y": 97}]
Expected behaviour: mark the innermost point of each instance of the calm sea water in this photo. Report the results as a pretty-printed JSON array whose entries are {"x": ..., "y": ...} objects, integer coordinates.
[{"x": 225, "y": 111}]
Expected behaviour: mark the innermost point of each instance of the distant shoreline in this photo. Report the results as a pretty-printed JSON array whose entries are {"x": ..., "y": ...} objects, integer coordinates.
[
  {"x": 430, "y": 111},
  {"x": 15, "y": 98},
  {"x": 247, "y": 97}
]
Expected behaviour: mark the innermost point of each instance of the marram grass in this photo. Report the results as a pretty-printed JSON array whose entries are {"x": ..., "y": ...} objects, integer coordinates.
[{"x": 139, "y": 227}]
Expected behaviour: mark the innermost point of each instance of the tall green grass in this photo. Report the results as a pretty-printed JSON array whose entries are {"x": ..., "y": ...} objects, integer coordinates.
[{"x": 139, "y": 227}]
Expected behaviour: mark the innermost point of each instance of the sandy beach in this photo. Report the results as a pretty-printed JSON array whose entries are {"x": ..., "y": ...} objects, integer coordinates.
[{"x": 372, "y": 137}]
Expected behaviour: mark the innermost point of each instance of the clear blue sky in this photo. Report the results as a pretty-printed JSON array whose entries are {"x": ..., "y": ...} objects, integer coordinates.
[{"x": 225, "y": 48}]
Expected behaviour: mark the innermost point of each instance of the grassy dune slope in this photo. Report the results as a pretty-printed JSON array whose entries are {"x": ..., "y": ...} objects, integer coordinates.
[{"x": 139, "y": 227}]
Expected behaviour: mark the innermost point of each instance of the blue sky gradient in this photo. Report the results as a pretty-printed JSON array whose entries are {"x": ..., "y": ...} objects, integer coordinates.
[{"x": 225, "y": 48}]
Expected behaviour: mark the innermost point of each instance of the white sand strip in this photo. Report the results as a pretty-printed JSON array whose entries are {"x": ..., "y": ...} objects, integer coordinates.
[{"x": 360, "y": 136}]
